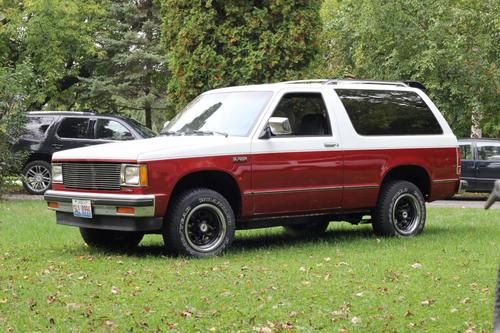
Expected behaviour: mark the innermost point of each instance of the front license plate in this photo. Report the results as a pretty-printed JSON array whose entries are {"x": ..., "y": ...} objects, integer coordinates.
[{"x": 82, "y": 208}]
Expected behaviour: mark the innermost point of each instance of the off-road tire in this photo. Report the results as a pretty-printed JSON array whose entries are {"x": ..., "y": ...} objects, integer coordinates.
[
  {"x": 200, "y": 223},
  {"x": 400, "y": 210}
]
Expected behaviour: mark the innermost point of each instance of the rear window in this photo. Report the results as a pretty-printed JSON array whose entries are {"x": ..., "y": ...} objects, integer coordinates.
[
  {"x": 388, "y": 112},
  {"x": 36, "y": 127}
]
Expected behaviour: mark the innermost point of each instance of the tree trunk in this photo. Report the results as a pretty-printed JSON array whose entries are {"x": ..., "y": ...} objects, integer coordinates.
[{"x": 147, "y": 113}]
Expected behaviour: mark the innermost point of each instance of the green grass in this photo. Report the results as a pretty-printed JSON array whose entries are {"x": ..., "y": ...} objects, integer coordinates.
[{"x": 347, "y": 280}]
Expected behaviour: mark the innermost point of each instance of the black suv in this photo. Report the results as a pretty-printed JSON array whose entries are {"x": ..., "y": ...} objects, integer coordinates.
[{"x": 50, "y": 131}]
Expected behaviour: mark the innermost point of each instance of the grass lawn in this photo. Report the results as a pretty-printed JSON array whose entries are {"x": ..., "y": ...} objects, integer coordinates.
[{"x": 346, "y": 281}]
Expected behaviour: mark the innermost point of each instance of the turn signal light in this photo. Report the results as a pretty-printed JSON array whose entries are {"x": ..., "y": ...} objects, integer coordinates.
[
  {"x": 52, "y": 204},
  {"x": 125, "y": 210}
]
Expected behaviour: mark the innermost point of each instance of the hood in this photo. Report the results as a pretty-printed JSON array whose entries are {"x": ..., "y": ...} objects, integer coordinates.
[{"x": 158, "y": 148}]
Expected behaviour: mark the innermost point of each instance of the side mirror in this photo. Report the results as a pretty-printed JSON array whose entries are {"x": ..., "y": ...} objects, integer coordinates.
[
  {"x": 276, "y": 126},
  {"x": 280, "y": 126},
  {"x": 494, "y": 196}
]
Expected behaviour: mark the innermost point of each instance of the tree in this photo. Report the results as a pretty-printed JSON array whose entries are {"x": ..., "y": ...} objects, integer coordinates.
[
  {"x": 218, "y": 43},
  {"x": 57, "y": 38},
  {"x": 131, "y": 74},
  {"x": 451, "y": 46}
]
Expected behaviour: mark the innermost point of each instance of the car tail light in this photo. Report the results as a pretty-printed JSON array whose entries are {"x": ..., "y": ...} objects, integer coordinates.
[{"x": 459, "y": 162}]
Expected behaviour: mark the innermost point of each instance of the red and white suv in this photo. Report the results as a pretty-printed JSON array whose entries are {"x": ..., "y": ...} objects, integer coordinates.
[{"x": 298, "y": 154}]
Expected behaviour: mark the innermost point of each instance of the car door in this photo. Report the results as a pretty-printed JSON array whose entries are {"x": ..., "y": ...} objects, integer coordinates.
[
  {"x": 72, "y": 132},
  {"x": 487, "y": 164},
  {"x": 468, "y": 164},
  {"x": 301, "y": 171}
]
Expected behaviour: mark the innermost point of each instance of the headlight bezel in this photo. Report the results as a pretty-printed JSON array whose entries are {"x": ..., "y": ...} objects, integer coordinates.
[
  {"x": 57, "y": 173},
  {"x": 134, "y": 175}
]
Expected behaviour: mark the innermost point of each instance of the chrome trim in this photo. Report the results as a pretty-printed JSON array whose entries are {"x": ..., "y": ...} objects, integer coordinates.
[
  {"x": 464, "y": 185},
  {"x": 319, "y": 189},
  {"x": 361, "y": 187},
  {"x": 443, "y": 181},
  {"x": 104, "y": 203}
]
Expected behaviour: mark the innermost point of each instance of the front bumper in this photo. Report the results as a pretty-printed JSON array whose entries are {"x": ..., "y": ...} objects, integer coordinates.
[{"x": 107, "y": 210}]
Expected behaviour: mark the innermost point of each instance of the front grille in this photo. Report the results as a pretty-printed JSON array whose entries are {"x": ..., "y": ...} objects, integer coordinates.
[{"x": 92, "y": 176}]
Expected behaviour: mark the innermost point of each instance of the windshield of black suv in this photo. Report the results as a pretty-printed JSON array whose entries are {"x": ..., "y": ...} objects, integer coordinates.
[
  {"x": 143, "y": 130},
  {"x": 223, "y": 113}
]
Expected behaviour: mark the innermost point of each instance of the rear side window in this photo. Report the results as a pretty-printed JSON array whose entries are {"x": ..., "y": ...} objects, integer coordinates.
[
  {"x": 74, "y": 128},
  {"x": 36, "y": 127},
  {"x": 388, "y": 112}
]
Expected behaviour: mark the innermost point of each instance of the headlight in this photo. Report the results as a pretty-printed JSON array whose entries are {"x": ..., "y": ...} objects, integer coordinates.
[
  {"x": 57, "y": 175},
  {"x": 134, "y": 175}
]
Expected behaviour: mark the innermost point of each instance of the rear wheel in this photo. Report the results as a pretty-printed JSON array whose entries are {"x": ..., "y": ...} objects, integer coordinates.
[
  {"x": 200, "y": 223},
  {"x": 111, "y": 239},
  {"x": 400, "y": 210},
  {"x": 37, "y": 177}
]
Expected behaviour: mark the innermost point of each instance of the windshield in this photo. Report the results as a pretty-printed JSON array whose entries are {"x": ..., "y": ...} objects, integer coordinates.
[
  {"x": 143, "y": 130},
  {"x": 227, "y": 113}
]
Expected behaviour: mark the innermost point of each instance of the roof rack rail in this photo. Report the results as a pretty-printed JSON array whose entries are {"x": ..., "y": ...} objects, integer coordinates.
[
  {"x": 306, "y": 81},
  {"x": 388, "y": 83},
  {"x": 403, "y": 83}
]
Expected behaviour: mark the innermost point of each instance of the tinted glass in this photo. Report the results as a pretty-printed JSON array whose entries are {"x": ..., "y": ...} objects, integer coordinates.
[
  {"x": 306, "y": 113},
  {"x": 107, "y": 129},
  {"x": 36, "y": 127},
  {"x": 466, "y": 151},
  {"x": 385, "y": 112},
  {"x": 233, "y": 113},
  {"x": 488, "y": 151},
  {"x": 143, "y": 130},
  {"x": 74, "y": 128}
]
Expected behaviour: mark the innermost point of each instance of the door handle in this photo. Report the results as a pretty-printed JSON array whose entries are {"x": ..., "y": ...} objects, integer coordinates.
[
  {"x": 56, "y": 145},
  {"x": 331, "y": 144}
]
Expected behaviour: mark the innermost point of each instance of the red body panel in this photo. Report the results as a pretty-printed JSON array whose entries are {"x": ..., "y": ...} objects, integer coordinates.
[{"x": 303, "y": 182}]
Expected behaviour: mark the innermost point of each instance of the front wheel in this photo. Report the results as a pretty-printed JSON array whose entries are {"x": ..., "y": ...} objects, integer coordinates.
[
  {"x": 400, "y": 210},
  {"x": 111, "y": 239},
  {"x": 200, "y": 223}
]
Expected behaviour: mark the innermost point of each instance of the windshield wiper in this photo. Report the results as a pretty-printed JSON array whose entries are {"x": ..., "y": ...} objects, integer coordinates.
[
  {"x": 168, "y": 133},
  {"x": 198, "y": 132}
]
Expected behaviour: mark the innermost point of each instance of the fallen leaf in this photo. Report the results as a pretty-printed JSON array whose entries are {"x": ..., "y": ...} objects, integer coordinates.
[
  {"x": 186, "y": 314},
  {"x": 110, "y": 325},
  {"x": 427, "y": 302},
  {"x": 115, "y": 290},
  {"x": 355, "y": 320},
  {"x": 408, "y": 313},
  {"x": 417, "y": 265},
  {"x": 51, "y": 299}
]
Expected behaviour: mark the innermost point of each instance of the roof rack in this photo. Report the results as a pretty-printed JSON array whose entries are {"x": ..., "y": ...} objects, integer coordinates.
[
  {"x": 306, "y": 81},
  {"x": 406, "y": 83},
  {"x": 388, "y": 83}
]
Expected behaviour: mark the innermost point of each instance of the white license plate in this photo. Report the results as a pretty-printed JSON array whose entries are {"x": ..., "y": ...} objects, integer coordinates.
[{"x": 82, "y": 208}]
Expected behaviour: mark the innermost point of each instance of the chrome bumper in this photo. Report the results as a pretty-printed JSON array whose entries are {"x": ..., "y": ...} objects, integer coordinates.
[
  {"x": 463, "y": 186},
  {"x": 103, "y": 203}
]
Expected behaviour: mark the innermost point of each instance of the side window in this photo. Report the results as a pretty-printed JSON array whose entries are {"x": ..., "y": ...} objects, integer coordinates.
[
  {"x": 466, "y": 151},
  {"x": 306, "y": 113},
  {"x": 107, "y": 129},
  {"x": 388, "y": 112},
  {"x": 74, "y": 128},
  {"x": 488, "y": 151},
  {"x": 36, "y": 127}
]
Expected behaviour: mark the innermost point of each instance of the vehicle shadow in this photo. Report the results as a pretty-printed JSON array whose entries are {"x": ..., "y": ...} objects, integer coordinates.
[{"x": 270, "y": 239}]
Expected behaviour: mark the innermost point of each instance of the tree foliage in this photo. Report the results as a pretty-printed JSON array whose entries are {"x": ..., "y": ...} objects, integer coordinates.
[
  {"x": 219, "y": 43},
  {"x": 57, "y": 38},
  {"x": 131, "y": 74},
  {"x": 452, "y": 46}
]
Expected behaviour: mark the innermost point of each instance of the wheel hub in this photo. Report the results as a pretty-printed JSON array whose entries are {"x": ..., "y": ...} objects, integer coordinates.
[{"x": 203, "y": 227}]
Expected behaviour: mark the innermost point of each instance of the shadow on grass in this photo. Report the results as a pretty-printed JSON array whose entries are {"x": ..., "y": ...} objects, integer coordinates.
[{"x": 271, "y": 239}]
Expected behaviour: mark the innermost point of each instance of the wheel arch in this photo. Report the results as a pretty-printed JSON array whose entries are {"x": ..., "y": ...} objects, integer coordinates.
[
  {"x": 219, "y": 181},
  {"x": 415, "y": 174}
]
